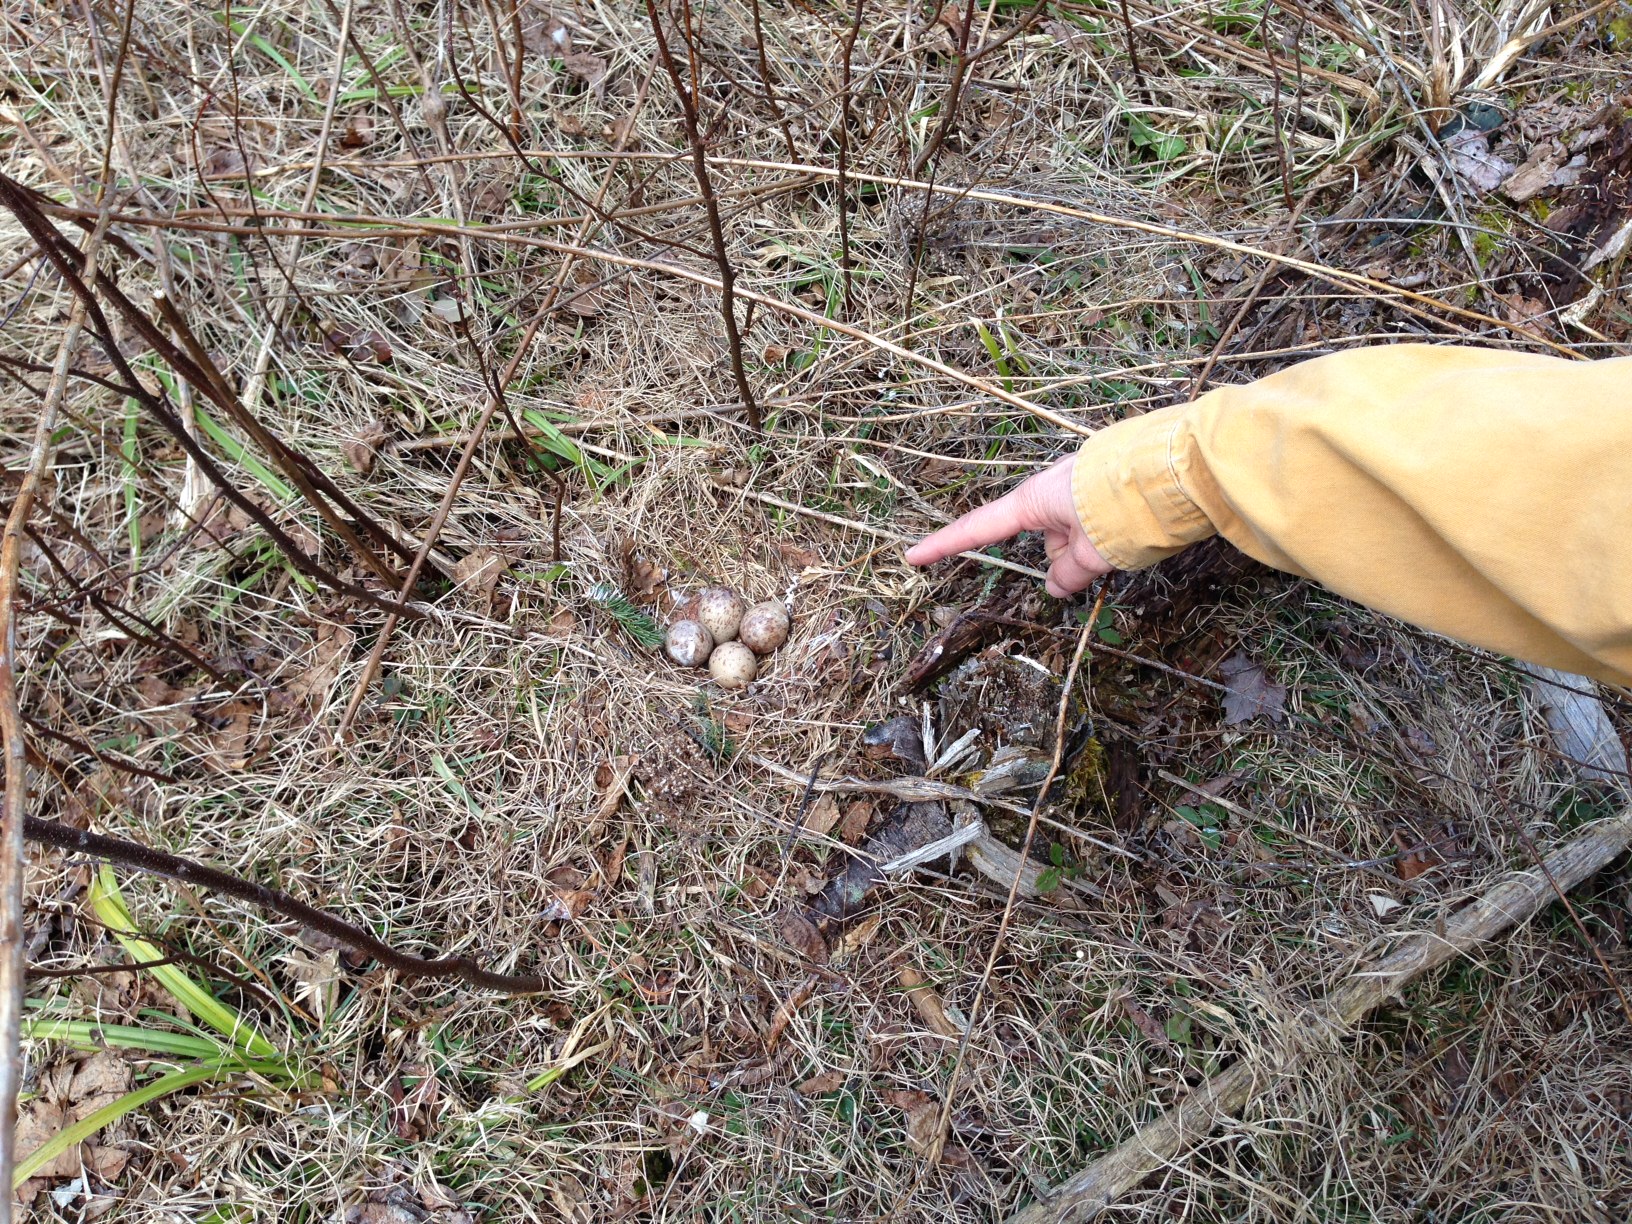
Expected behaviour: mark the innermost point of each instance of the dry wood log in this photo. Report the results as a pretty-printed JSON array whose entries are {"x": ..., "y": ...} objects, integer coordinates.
[{"x": 1513, "y": 900}]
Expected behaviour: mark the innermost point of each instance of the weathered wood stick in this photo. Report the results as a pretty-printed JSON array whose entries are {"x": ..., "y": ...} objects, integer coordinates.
[{"x": 1515, "y": 899}]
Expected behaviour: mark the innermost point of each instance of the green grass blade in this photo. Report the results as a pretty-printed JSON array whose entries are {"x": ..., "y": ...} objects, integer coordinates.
[
  {"x": 109, "y": 904},
  {"x": 130, "y": 456},
  {"x": 451, "y": 781},
  {"x": 89, "y": 1035},
  {"x": 238, "y": 453},
  {"x": 82, "y": 1130}
]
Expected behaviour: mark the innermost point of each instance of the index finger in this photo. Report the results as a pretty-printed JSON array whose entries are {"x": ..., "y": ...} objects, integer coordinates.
[{"x": 984, "y": 525}]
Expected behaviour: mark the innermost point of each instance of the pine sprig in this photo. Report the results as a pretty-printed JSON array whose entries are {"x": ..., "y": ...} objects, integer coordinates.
[{"x": 637, "y": 624}]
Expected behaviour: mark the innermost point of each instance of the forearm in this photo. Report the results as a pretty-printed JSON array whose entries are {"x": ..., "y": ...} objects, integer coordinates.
[{"x": 1481, "y": 494}]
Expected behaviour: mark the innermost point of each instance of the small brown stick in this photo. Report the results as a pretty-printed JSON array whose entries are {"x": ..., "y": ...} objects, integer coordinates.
[
  {"x": 962, "y": 62},
  {"x": 1282, "y": 156},
  {"x": 939, "y": 1142},
  {"x": 847, "y": 53},
  {"x": 1133, "y": 54},
  {"x": 711, "y": 205},
  {"x": 1251, "y": 300},
  {"x": 174, "y": 867},
  {"x": 1511, "y": 901},
  {"x": 770, "y": 85},
  {"x": 14, "y": 812}
]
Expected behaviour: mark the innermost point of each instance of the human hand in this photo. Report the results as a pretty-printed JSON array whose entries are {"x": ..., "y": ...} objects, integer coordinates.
[{"x": 1041, "y": 503}]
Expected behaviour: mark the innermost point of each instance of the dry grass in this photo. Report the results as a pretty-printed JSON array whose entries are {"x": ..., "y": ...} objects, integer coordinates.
[{"x": 471, "y": 795}]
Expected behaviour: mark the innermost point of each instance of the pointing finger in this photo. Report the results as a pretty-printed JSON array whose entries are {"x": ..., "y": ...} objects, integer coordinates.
[{"x": 988, "y": 524}]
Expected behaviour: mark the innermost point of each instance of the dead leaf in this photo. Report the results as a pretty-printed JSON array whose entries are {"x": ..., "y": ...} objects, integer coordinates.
[
  {"x": 379, "y": 1213},
  {"x": 923, "y": 1117},
  {"x": 612, "y": 779},
  {"x": 801, "y": 935},
  {"x": 1468, "y": 152},
  {"x": 165, "y": 708},
  {"x": 570, "y": 1200},
  {"x": 401, "y": 267},
  {"x": 317, "y": 978},
  {"x": 370, "y": 344},
  {"x": 569, "y": 124},
  {"x": 857, "y": 817},
  {"x": 1250, "y": 692},
  {"x": 583, "y": 303},
  {"x": 1143, "y": 1022},
  {"x": 929, "y": 1005},
  {"x": 776, "y": 354},
  {"x": 1382, "y": 904},
  {"x": 98, "y": 1081},
  {"x": 797, "y": 556},
  {"x": 329, "y": 654},
  {"x": 1539, "y": 172},
  {"x": 857, "y": 937},
  {"x": 358, "y": 132},
  {"x": 824, "y": 1082},
  {"x": 1525, "y": 311},
  {"x": 643, "y": 578},
  {"x": 567, "y": 904},
  {"x": 231, "y": 746},
  {"x": 362, "y": 450},
  {"x": 1416, "y": 862},
  {"x": 450, "y": 309},
  {"x": 106, "y": 1161},
  {"x": 545, "y": 32},
  {"x": 39, "y": 1120},
  {"x": 588, "y": 68},
  {"x": 479, "y": 571},
  {"x": 617, "y": 132},
  {"x": 822, "y": 816}
]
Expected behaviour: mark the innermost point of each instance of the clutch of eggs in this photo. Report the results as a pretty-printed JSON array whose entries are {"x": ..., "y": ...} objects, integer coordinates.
[{"x": 727, "y": 635}]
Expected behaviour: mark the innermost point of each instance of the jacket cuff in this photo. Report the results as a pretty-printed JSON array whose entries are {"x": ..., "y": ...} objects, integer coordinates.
[{"x": 1128, "y": 483}]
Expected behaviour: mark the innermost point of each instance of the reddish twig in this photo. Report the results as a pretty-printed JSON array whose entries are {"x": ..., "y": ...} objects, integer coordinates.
[
  {"x": 1133, "y": 53},
  {"x": 174, "y": 867},
  {"x": 770, "y": 85},
  {"x": 711, "y": 205},
  {"x": 848, "y": 51},
  {"x": 1282, "y": 156}
]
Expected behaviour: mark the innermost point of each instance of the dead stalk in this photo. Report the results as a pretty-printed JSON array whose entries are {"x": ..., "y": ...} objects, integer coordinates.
[
  {"x": 705, "y": 187},
  {"x": 1511, "y": 901},
  {"x": 1282, "y": 152},
  {"x": 15, "y": 809},
  {"x": 1133, "y": 53}
]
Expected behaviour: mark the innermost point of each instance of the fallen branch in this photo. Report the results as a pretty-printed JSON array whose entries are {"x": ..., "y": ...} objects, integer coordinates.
[
  {"x": 174, "y": 867},
  {"x": 1515, "y": 899}
]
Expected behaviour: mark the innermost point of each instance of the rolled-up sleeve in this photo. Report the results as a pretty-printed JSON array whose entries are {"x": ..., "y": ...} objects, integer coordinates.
[{"x": 1481, "y": 494}]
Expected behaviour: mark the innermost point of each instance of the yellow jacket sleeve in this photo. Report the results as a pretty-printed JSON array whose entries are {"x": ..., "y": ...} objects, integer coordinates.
[{"x": 1481, "y": 494}]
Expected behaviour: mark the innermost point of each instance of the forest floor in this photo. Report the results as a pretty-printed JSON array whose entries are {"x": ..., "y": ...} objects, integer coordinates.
[{"x": 364, "y": 227}]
